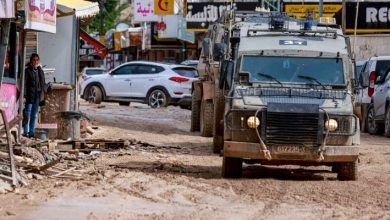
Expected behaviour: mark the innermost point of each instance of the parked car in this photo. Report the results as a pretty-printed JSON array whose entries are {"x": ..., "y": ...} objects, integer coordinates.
[
  {"x": 90, "y": 71},
  {"x": 193, "y": 63},
  {"x": 156, "y": 84},
  {"x": 379, "y": 110},
  {"x": 374, "y": 67}
]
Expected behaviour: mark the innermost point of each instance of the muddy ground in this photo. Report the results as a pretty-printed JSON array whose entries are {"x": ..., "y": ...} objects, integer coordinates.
[{"x": 177, "y": 176}]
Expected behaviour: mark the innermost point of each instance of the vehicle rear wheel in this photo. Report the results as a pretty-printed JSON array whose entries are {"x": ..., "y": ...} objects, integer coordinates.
[
  {"x": 218, "y": 130},
  {"x": 231, "y": 167},
  {"x": 206, "y": 118},
  {"x": 195, "y": 109},
  {"x": 387, "y": 121},
  {"x": 347, "y": 171},
  {"x": 157, "y": 99},
  {"x": 372, "y": 126},
  {"x": 95, "y": 95},
  {"x": 124, "y": 103}
]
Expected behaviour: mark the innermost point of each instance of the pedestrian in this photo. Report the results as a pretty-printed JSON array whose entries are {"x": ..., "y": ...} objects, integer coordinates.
[{"x": 34, "y": 94}]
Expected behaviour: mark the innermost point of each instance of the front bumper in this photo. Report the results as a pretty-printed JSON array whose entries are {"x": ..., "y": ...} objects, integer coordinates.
[{"x": 247, "y": 150}]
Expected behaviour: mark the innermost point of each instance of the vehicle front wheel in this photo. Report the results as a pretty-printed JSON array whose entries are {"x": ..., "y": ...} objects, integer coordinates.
[
  {"x": 158, "y": 99},
  {"x": 347, "y": 171},
  {"x": 387, "y": 121},
  {"x": 231, "y": 167},
  {"x": 95, "y": 95}
]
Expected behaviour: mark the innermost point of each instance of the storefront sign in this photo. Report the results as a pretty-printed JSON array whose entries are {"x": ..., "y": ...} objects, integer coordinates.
[
  {"x": 117, "y": 41},
  {"x": 135, "y": 35},
  {"x": 164, "y": 7},
  {"x": 41, "y": 15},
  {"x": 183, "y": 34},
  {"x": 143, "y": 10},
  {"x": 300, "y": 10},
  {"x": 8, "y": 100},
  {"x": 201, "y": 14},
  {"x": 373, "y": 17},
  {"x": 167, "y": 28},
  {"x": 7, "y": 9}
]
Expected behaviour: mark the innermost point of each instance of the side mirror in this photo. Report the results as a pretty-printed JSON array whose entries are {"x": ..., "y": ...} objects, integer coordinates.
[
  {"x": 227, "y": 72},
  {"x": 243, "y": 77}
]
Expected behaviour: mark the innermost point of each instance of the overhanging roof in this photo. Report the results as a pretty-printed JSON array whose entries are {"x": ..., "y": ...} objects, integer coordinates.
[{"x": 80, "y": 8}]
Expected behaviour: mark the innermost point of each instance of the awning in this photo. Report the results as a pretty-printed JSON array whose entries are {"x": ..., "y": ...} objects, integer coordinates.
[
  {"x": 100, "y": 49},
  {"x": 81, "y": 8}
]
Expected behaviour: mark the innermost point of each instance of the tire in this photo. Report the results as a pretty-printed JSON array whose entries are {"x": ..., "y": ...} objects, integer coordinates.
[
  {"x": 231, "y": 167},
  {"x": 347, "y": 171},
  {"x": 95, "y": 95},
  {"x": 218, "y": 129},
  {"x": 372, "y": 126},
  {"x": 195, "y": 109},
  {"x": 206, "y": 118},
  {"x": 124, "y": 103},
  {"x": 387, "y": 121},
  {"x": 158, "y": 99}
]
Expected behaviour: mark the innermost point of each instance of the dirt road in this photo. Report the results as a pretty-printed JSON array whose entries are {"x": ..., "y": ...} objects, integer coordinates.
[{"x": 177, "y": 176}]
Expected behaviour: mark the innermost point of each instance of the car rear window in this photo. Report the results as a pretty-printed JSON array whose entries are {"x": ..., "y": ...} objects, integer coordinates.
[
  {"x": 382, "y": 66},
  {"x": 94, "y": 72},
  {"x": 186, "y": 72}
]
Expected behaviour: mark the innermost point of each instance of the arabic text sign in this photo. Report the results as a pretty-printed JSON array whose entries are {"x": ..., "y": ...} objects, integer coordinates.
[
  {"x": 144, "y": 11},
  {"x": 41, "y": 15},
  {"x": 373, "y": 17},
  {"x": 164, "y": 7},
  {"x": 299, "y": 10},
  {"x": 201, "y": 14},
  {"x": 172, "y": 26},
  {"x": 7, "y": 9}
]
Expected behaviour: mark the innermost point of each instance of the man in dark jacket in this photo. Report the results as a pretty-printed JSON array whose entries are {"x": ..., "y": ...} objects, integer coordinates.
[{"x": 34, "y": 94}]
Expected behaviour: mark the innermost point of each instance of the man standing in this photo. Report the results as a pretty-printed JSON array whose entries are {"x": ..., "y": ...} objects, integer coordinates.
[{"x": 34, "y": 94}]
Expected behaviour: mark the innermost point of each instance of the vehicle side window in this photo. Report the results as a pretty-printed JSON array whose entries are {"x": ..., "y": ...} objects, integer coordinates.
[
  {"x": 149, "y": 69},
  {"x": 125, "y": 70}
]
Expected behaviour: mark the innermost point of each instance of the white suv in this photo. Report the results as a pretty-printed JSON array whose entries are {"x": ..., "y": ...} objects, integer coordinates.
[
  {"x": 153, "y": 83},
  {"x": 374, "y": 67}
]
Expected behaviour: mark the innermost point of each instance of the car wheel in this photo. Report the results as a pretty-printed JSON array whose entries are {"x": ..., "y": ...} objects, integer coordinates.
[
  {"x": 124, "y": 103},
  {"x": 218, "y": 130},
  {"x": 347, "y": 171},
  {"x": 231, "y": 167},
  {"x": 387, "y": 121},
  {"x": 158, "y": 99},
  {"x": 95, "y": 95}
]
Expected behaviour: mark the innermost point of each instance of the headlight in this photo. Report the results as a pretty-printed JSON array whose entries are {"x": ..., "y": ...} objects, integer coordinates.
[
  {"x": 331, "y": 125},
  {"x": 253, "y": 122}
]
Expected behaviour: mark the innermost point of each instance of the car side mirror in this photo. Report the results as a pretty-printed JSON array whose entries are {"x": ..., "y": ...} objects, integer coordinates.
[{"x": 243, "y": 77}]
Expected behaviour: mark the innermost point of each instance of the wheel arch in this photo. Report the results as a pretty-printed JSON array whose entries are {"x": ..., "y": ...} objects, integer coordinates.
[
  {"x": 165, "y": 90},
  {"x": 98, "y": 84}
]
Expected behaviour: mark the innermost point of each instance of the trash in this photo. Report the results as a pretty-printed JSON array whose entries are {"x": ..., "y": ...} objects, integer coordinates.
[{"x": 94, "y": 153}]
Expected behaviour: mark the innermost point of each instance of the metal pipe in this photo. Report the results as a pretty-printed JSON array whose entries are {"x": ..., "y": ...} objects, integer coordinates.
[{"x": 22, "y": 84}]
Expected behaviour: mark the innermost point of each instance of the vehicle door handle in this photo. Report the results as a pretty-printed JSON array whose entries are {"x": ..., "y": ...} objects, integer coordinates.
[
  {"x": 151, "y": 79},
  {"x": 127, "y": 80}
]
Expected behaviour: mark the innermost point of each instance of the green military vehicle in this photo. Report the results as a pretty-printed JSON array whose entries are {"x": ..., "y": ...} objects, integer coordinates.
[{"x": 286, "y": 87}]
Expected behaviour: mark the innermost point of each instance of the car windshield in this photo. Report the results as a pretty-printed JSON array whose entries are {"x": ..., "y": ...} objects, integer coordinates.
[
  {"x": 186, "y": 71},
  {"x": 94, "y": 72},
  {"x": 294, "y": 69}
]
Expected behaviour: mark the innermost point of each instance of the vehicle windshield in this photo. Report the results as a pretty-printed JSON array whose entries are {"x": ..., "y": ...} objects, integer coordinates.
[{"x": 310, "y": 70}]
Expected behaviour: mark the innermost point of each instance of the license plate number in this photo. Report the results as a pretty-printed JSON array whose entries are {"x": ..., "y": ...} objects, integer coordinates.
[{"x": 291, "y": 149}]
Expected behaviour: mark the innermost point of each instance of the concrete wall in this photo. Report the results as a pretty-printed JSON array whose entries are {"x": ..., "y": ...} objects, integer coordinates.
[
  {"x": 371, "y": 45},
  {"x": 57, "y": 50}
]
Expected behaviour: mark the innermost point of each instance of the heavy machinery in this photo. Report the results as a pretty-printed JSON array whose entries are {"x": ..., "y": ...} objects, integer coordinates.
[{"x": 280, "y": 90}]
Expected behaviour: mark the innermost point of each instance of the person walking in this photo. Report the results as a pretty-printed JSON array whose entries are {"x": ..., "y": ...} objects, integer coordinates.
[{"x": 34, "y": 94}]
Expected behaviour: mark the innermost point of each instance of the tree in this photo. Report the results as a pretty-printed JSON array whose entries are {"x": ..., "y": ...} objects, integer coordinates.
[{"x": 109, "y": 12}]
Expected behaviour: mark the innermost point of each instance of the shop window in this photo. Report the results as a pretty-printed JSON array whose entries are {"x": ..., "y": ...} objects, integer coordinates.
[{"x": 11, "y": 57}]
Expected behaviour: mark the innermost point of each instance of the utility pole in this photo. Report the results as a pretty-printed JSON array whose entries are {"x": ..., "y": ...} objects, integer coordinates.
[
  {"x": 343, "y": 16},
  {"x": 101, "y": 8},
  {"x": 321, "y": 7}
]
